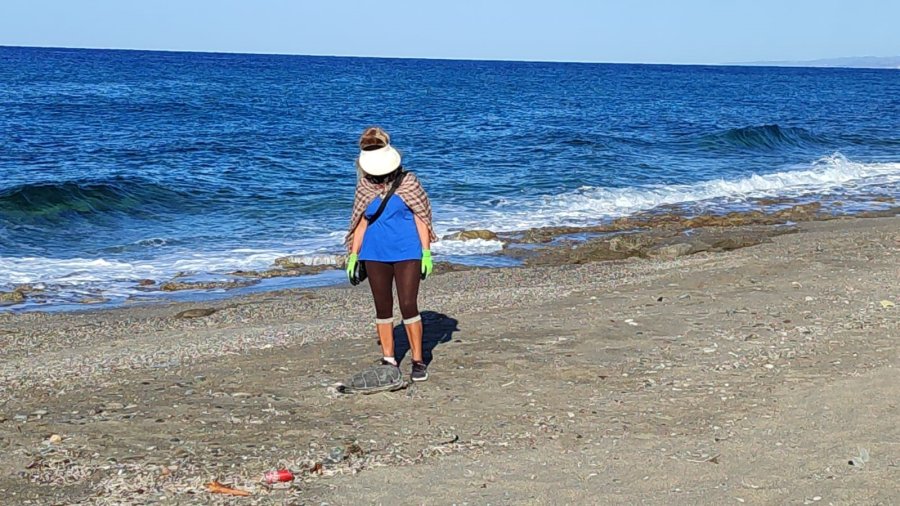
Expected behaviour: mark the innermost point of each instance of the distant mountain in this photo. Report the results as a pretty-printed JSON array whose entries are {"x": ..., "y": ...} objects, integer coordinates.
[{"x": 867, "y": 62}]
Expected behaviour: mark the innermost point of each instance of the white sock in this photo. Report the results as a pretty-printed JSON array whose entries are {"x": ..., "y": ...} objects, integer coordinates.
[{"x": 392, "y": 360}]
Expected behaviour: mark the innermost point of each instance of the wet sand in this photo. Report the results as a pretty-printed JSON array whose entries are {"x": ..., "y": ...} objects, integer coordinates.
[{"x": 748, "y": 376}]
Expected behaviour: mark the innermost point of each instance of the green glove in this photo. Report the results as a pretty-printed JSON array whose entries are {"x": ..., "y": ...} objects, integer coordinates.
[
  {"x": 351, "y": 265},
  {"x": 427, "y": 264}
]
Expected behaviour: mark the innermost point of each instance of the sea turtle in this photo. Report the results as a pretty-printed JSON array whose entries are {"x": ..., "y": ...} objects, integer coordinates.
[{"x": 379, "y": 378}]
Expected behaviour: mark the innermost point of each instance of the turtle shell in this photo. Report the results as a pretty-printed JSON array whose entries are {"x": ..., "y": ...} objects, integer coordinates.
[{"x": 379, "y": 378}]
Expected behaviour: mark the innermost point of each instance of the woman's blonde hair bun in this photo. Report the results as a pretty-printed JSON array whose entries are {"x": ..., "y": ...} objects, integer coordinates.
[{"x": 373, "y": 138}]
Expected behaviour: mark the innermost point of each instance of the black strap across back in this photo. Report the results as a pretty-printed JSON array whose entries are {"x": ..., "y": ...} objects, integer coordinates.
[{"x": 384, "y": 200}]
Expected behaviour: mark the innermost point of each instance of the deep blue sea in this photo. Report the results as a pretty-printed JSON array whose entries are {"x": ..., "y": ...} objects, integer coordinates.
[{"x": 122, "y": 165}]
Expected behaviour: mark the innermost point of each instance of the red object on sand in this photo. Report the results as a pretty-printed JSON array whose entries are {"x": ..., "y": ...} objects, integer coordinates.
[{"x": 279, "y": 476}]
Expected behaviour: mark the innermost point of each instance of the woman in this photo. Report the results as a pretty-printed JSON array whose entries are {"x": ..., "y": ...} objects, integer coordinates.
[{"x": 392, "y": 239}]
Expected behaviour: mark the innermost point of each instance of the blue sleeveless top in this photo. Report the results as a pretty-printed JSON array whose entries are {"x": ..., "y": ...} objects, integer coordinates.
[{"x": 393, "y": 236}]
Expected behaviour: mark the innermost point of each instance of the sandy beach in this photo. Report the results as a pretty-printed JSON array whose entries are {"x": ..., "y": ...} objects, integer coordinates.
[{"x": 762, "y": 375}]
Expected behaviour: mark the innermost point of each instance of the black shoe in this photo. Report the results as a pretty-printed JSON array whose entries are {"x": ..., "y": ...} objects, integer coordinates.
[
  {"x": 387, "y": 362},
  {"x": 419, "y": 371}
]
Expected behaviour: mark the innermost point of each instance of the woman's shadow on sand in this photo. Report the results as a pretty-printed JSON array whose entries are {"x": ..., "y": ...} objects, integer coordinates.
[{"x": 437, "y": 329}]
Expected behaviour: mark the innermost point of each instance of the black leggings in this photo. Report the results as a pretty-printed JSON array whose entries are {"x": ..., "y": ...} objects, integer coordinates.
[{"x": 407, "y": 275}]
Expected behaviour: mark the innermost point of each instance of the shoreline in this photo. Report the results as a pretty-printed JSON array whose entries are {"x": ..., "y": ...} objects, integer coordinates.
[
  {"x": 705, "y": 373},
  {"x": 655, "y": 232}
]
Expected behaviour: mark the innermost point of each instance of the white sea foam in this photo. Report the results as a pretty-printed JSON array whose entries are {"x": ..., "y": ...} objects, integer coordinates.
[
  {"x": 72, "y": 278},
  {"x": 70, "y": 271},
  {"x": 470, "y": 247},
  {"x": 322, "y": 259},
  {"x": 590, "y": 205}
]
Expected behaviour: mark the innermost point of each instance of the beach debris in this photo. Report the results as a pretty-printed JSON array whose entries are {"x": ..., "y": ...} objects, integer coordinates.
[
  {"x": 279, "y": 476},
  {"x": 861, "y": 459},
  {"x": 453, "y": 440},
  {"x": 217, "y": 488},
  {"x": 354, "y": 450},
  {"x": 55, "y": 439},
  {"x": 196, "y": 312},
  {"x": 336, "y": 455},
  {"x": 886, "y": 304}
]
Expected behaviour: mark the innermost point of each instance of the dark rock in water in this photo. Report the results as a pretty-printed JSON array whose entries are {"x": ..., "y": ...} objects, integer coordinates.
[
  {"x": 28, "y": 289},
  {"x": 468, "y": 235},
  {"x": 322, "y": 262},
  {"x": 303, "y": 270},
  {"x": 664, "y": 221},
  {"x": 287, "y": 262},
  {"x": 805, "y": 212},
  {"x": 671, "y": 251},
  {"x": 630, "y": 243},
  {"x": 10, "y": 298},
  {"x": 196, "y": 313},
  {"x": 146, "y": 282},
  {"x": 547, "y": 234},
  {"x": 665, "y": 244},
  {"x": 174, "y": 286},
  {"x": 735, "y": 219},
  {"x": 93, "y": 300},
  {"x": 672, "y": 220},
  {"x": 766, "y": 202},
  {"x": 591, "y": 251},
  {"x": 883, "y": 213}
]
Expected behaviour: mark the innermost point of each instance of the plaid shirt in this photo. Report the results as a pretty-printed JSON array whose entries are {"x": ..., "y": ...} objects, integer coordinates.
[{"x": 410, "y": 191}]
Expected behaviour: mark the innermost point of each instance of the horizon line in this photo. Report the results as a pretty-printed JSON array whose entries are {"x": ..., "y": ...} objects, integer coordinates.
[{"x": 753, "y": 63}]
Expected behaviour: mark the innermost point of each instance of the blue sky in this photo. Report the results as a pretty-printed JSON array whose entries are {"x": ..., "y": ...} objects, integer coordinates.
[{"x": 646, "y": 31}]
